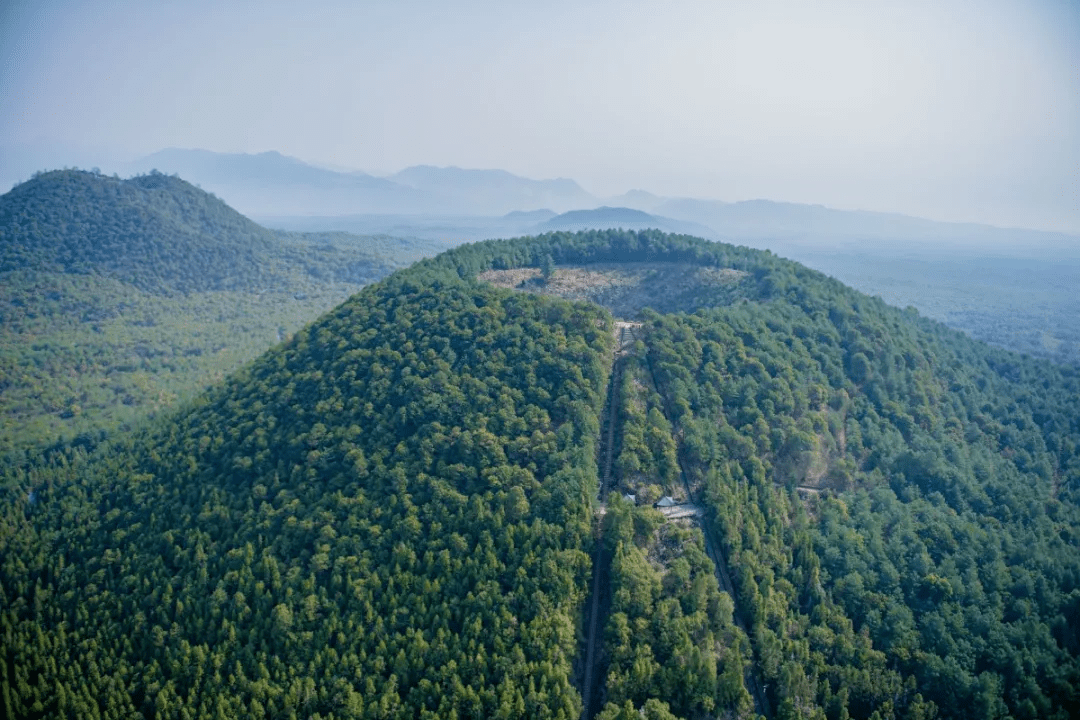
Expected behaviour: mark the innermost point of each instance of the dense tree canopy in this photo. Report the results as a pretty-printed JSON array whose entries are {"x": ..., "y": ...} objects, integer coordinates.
[
  {"x": 385, "y": 517},
  {"x": 155, "y": 232},
  {"x": 390, "y": 515},
  {"x": 120, "y": 298},
  {"x": 938, "y": 515}
]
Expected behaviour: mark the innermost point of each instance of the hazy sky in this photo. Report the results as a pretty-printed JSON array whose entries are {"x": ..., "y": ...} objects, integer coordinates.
[{"x": 948, "y": 110}]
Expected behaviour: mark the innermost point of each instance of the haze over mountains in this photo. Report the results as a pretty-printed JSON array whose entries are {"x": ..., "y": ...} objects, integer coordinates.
[
  {"x": 269, "y": 184},
  {"x": 1010, "y": 286},
  {"x": 477, "y": 204}
]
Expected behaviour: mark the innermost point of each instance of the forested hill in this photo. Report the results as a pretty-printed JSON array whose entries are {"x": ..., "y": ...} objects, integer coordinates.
[
  {"x": 155, "y": 232},
  {"x": 120, "y": 298},
  {"x": 389, "y": 515}
]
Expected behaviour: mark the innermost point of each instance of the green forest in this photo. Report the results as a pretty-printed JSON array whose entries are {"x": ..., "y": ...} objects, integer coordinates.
[
  {"x": 1023, "y": 300},
  {"x": 119, "y": 299},
  {"x": 395, "y": 513},
  {"x": 384, "y": 517}
]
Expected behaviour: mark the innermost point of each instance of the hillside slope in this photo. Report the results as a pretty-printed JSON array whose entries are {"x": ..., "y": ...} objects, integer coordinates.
[
  {"x": 389, "y": 516},
  {"x": 384, "y": 516},
  {"x": 154, "y": 232},
  {"x": 119, "y": 297},
  {"x": 867, "y": 471}
]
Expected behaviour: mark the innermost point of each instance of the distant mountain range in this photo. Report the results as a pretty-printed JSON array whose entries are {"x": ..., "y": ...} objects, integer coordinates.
[
  {"x": 459, "y": 228},
  {"x": 461, "y": 204},
  {"x": 493, "y": 191},
  {"x": 273, "y": 184}
]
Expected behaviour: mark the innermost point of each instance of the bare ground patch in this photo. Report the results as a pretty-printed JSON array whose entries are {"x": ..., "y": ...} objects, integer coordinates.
[{"x": 627, "y": 288}]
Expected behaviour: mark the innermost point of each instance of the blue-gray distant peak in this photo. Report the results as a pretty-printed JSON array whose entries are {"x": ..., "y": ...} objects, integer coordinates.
[
  {"x": 264, "y": 169},
  {"x": 494, "y": 192},
  {"x": 271, "y": 184},
  {"x": 638, "y": 200},
  {"x": 770, "y": 219},
  {"x": 530, "y": 215},
  {"x": 621, "y": 217},
  {"x": 425, "y": 176},
  {"x": 603, "y": 214}
]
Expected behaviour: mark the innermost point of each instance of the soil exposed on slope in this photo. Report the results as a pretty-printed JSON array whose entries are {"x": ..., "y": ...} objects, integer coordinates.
[{"x": 627, "y": 288}]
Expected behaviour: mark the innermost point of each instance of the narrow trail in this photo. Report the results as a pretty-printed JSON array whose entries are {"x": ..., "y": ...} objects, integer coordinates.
[
  {"x": 723, "y": 577},
  {"x": 590, "y": 695}
]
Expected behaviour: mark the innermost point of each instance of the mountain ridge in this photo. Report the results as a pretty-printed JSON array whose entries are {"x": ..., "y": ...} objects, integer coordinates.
[
  {"x": 756, "y": 218},
  {"x": 271, "y": 182}
]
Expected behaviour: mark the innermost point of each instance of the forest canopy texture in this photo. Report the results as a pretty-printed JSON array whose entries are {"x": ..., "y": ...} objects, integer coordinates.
[
  {"x": 391, "y": 515},
  {"x": 120, "y": 299}
]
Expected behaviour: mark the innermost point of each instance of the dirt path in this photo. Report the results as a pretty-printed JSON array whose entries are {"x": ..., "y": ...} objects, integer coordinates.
[{"x": 590, "y": 690}]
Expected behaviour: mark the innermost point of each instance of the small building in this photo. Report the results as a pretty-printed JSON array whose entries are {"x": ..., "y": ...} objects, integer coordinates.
[
  {"x": 632, "y": 499},
  {"x": 666, "y": 501}
]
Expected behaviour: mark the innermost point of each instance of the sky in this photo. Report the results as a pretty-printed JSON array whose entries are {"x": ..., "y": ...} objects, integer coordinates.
[{"x": 957, "y": 111}]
